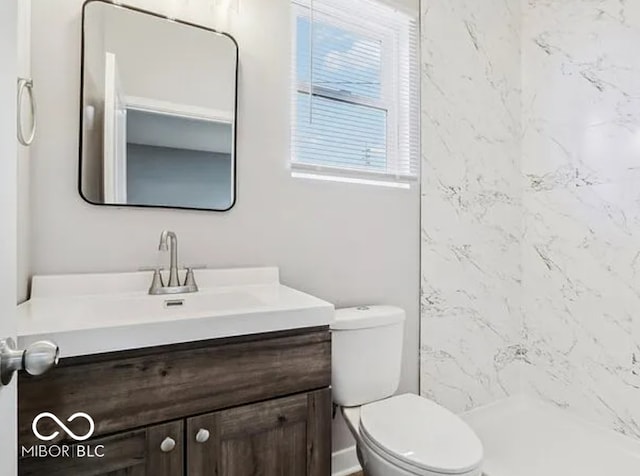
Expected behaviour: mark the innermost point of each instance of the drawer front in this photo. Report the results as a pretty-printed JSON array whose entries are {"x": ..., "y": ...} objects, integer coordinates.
[
  {"x": 133, "y": 453},
  {"x": 126, "y": 391}
]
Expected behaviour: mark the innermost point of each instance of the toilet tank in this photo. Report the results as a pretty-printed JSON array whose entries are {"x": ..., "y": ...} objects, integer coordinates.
[{"x": 366, "y": 353}]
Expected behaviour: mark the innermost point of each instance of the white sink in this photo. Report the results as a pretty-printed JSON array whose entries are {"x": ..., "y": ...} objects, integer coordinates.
[{"x": 95, "y": 313}]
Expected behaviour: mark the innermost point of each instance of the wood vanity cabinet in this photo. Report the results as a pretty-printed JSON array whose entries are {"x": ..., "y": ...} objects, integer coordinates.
[
  {"x": 252, "y": 405},
  {"x": 131, "y": 453},
  {"x": 277, "y": 437}
]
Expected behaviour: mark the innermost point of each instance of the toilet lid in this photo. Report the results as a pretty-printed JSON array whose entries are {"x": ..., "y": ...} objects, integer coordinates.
[{"x": 421, "y": 433}]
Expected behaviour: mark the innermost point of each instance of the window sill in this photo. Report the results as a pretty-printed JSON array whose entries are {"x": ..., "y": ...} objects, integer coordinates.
[
  {"x": 351, "y": 180},
  {"x": 354, "y": 176}
]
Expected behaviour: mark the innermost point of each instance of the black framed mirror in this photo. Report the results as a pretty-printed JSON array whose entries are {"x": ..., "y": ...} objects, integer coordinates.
[{"x": 158, "y": 111}]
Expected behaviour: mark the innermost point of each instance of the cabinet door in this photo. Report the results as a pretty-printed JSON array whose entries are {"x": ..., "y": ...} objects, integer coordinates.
[
  {"x": 288, "y": 436},
  {"x": 134, "y": 453}
]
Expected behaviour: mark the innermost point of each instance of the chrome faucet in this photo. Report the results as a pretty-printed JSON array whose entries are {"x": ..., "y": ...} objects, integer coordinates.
[
  {"x": 169, "y": 241},
  {"x": 165, "y": 238}
]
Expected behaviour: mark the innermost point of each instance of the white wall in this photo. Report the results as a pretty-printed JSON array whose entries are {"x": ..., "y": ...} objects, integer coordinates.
[
  {"x": 182, "y": 65},
  {"x": 24, "y": 232},
  {"x": 8, "y": 219},
  {"x": 349, "y": 244}
]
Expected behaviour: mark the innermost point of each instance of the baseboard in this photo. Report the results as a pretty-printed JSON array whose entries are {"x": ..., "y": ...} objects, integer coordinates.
[{"x": 345, "y": 462}]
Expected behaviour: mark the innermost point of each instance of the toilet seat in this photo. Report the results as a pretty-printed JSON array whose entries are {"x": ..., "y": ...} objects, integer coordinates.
[{"x": 420, "y": 436}]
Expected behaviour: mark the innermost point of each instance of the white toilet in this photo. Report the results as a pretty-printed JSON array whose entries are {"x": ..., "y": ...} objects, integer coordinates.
[{"x": 396, "y": 435}]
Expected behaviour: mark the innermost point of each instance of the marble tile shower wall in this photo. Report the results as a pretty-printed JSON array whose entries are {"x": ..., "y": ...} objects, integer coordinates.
[
  {"x": 471, "y": 201},
  {"x": 581, "y": 167},
  {"x": 531, "y": 204}
]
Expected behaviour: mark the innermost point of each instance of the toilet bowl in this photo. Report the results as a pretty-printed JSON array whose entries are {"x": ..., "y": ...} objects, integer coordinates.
[
  {"x": 411, "y": 435},
  {"x": 401, "y": 435}
]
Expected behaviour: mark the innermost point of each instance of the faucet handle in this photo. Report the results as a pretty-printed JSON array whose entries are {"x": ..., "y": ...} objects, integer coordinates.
[
  {"x": 151, "y": 268},
  {"x": 190, "y": 279},
  {"x": 157, "y": 282}
]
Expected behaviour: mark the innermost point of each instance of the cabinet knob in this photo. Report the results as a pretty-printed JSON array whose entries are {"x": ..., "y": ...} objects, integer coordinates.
[
  {"x": 202, "y": 436},
  {"x": 168, "y": 444}
]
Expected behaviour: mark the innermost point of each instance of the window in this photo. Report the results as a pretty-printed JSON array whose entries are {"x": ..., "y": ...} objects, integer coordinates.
[{"x": 355, "y": 104}]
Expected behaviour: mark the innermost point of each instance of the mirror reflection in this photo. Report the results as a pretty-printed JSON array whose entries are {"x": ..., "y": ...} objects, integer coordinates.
[{"x": 158, "y": 111}]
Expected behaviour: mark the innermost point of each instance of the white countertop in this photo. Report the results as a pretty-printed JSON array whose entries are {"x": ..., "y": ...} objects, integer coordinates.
[{"x": 96, "y": 313}]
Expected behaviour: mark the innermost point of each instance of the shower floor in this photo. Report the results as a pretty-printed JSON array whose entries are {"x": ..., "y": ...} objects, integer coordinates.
[{"x": 523, "y": 437}]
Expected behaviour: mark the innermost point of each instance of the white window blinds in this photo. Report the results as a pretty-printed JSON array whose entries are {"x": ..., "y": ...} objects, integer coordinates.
[{"x": 355, "y": 101}]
